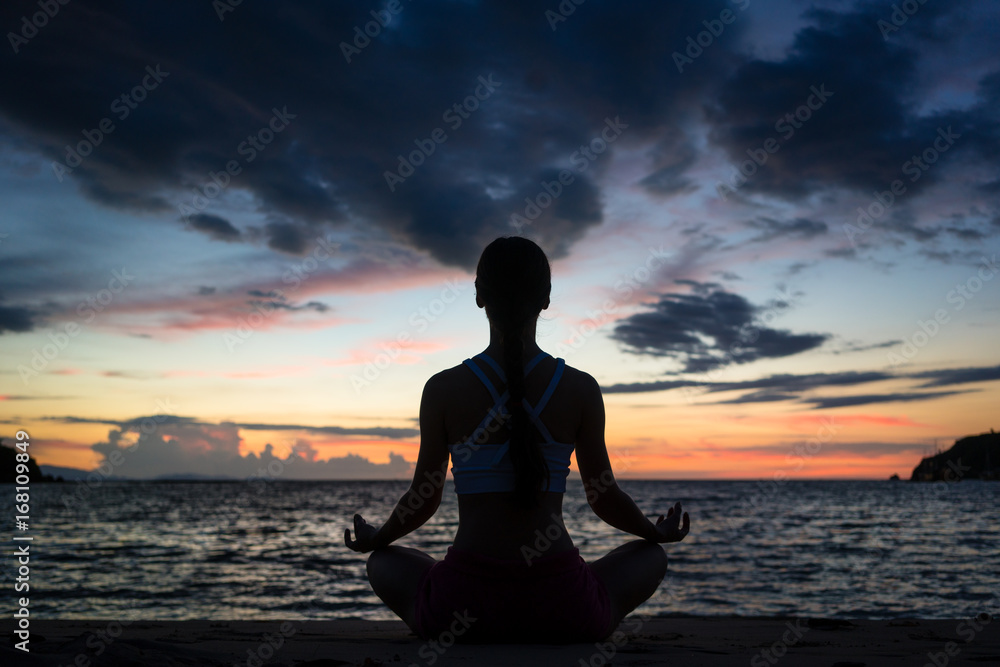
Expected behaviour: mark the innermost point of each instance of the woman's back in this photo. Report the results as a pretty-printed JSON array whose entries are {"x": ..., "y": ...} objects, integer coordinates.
[
  {"x": 493, "y": 523},
  {"x": 509, "y": 420}
]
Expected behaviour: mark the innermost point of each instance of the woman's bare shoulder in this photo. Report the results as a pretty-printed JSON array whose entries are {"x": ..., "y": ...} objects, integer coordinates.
[
  {"x": 449, "y": 379},
  {"x": 580, "y": 382}
]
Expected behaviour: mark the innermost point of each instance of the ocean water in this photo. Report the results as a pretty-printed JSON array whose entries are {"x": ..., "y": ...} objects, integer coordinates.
[{"x": 228, "y": 551}]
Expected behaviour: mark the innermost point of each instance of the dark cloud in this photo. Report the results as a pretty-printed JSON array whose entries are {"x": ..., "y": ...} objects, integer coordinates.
[
  {"x": 205, "y": 290},
  {"x": 760, "y": 397},
  {"x": 772, "y": 386},
  {"x": 953, "y": 376},
  {"x": 966, "y": 233},
  {"x": 17, "y": 319},
  {"x": 799, "y": 228},
  {"x": 22, "y": 397},
  {"x": 378, "y": 431},
  {"x": 863, "y": 449},
  {"x": 854, "y": 346},
  {"x": 707, "y": 330},
  {"x": 868, "y": 399},
  {"x": 271, "y": 300},
  {"x": 672, "y": 161},
  {"x": 286, "y": 237},
  {"x": 214, "y": 226},
  {"x": 868, "y": 126},
  {"x": 787, "y": 387},
  {"x": 328, "y": 130},
  {"x": 798, "y": 383},
  {"x": 639, "y": 387},
  {"x": 841, "y": 253},
  {"x": 137, "y": 423}
]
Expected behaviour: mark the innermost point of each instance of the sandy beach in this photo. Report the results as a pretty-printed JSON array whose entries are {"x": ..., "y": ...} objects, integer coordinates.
[{"x": 638, "y": 641}]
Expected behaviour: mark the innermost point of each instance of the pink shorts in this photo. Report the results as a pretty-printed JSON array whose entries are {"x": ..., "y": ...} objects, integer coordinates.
[{"x": 554, "y": 599}]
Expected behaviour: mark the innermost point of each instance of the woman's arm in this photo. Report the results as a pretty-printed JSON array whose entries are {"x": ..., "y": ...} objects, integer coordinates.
[
  {"x": 609, "y": 502},
  {"x": 423, "y": 497}
]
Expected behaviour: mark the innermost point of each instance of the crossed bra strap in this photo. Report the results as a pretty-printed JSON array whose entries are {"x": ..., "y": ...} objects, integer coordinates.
[{"x": 500, "y": 400}]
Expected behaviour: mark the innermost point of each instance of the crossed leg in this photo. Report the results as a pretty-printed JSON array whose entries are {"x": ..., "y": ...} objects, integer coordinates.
[
  {"x": 395, "y": 574},
  {"x": 631, "y": 573}
]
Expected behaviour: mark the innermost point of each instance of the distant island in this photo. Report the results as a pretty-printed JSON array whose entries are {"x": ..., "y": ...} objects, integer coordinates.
[{"x": 972, "y": 457}]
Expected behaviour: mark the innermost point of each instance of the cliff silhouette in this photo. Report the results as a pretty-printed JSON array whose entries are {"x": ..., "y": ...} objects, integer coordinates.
[
  {"x": 8, "y": 470},
  {"x": 972, "y": 457}
]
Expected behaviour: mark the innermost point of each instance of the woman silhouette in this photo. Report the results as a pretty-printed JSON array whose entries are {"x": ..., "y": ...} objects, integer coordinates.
[{"x": 510, "y": 418}]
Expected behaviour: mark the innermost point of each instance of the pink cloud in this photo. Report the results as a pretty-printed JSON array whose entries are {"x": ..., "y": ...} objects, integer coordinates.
[
  {"x": 405, "y": 353},
  {"x": 171, "y": 316}
]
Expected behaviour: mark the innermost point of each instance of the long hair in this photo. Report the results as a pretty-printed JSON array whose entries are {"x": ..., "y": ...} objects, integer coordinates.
[{"x": 513, "y": 280}]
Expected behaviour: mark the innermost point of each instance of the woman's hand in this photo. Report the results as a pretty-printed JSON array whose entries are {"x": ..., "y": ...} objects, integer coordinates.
[
  {"x": 669, "y": 528},
  {"x": 365, "y": 534}
]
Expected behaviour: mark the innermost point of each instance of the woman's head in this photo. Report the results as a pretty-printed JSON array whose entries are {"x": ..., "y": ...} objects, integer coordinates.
[{"x": 513, "y": 282}]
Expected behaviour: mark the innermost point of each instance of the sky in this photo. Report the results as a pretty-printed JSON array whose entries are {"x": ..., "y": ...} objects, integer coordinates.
[{"x": 238, "y": 238}]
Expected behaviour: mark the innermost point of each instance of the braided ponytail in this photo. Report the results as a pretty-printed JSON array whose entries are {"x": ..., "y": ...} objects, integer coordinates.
[{"x": 513, "y": 280}]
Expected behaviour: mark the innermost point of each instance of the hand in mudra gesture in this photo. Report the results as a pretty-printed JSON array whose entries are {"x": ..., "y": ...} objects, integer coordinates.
[
  {"x": 669, "y": 528},
  {"x": 365, "y": 533}
]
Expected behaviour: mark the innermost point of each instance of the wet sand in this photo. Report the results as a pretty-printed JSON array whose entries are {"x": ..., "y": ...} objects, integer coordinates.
[{"x": 638, "y": 641}]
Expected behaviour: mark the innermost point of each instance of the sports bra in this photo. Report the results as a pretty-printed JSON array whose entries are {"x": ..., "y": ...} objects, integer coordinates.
[{"x": 480, "y": 467}]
